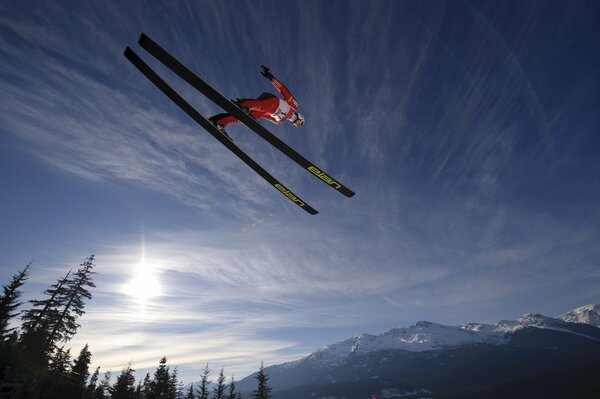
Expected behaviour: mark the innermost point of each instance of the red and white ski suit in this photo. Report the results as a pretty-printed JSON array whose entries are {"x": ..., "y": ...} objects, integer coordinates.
[{"x": 267, "y": 106}]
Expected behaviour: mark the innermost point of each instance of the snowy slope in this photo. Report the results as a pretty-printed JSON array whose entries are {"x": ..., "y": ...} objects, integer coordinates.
[
  {"x": 588, "y": 314},
  {"x": 423, "y": 336},
  {"x": 426, "y": 336},
  {"x": 419, "y": 347}
]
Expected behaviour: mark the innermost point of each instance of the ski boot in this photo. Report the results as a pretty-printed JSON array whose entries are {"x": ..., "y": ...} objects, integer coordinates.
[{"x": 220, "y": 128}]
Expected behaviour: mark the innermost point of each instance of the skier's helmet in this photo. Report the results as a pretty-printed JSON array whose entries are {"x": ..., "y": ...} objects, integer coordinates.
[{"x": 297, "y": 119}]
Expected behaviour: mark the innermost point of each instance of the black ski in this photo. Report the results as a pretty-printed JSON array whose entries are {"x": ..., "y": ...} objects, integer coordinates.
[
  {"x": 202, "y": 121},
  {"x": 167, "y": 59}
]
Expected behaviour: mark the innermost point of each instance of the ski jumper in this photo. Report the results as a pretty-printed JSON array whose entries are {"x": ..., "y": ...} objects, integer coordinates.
[{"x": 267, "y": 106}]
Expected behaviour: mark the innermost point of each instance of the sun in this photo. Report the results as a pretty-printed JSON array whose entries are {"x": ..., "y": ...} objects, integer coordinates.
[{"x": 145, "y": 284}]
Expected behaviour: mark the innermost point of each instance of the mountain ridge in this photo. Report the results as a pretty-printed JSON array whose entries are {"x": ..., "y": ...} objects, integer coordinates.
[
  {"x": 389, "y": 360},
  {"x": 587, "y": 314},
  {"x": 426, "y": 335}
]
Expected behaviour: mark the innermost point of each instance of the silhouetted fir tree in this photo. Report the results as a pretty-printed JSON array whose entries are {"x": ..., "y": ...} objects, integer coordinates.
[
  {"x": 35, "y": 354},
  {"x": 219, "y": 389},
  {"x": 66, "y": 326},
  {"x": 164, "y": 384},
  {"x": 263, "y": 391},
  {"x": 91, "y": 387},
  {"x": 160, "y": 382},
  {"x": 37, "y": 324},
  {"x": 144, "y": 387},
  {"x": 9, "y": 302},
  {"x": 138, "y": 391},
  {"x": 177, "y": 386},
  {"x": 124, "y": 387},
  {"x": 204, "y": 383},
  {"x": 33, "y": 318},
  {"x": 57, "y": 380},
  {"x": 81, "y": 369},
  {"x": 102, "y": 391},
  {"x": 60, "y": 361},
  {"x": 191, "y": 394},
  {"x": 231, "y": 394}
]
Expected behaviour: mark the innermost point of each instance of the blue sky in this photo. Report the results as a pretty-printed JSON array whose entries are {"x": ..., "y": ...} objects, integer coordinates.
[{"x": 469, "y": 131}]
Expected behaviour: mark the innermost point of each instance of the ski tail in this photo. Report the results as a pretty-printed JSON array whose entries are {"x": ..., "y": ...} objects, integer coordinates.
[
  {"x": 172, "y": 63},
  {"x": 210, "y": 128}
]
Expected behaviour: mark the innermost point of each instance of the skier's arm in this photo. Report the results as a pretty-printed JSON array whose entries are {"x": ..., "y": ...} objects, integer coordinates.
[
  {"x": 289, "y": 98},
  {"x": 285, "y": 93}
]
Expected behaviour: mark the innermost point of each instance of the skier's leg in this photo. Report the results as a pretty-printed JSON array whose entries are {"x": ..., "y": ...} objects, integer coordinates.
[
  {"x": 257, "y": 114},
  {"x": 224, "y": 119},
  {"x": 264, "y": 106}
]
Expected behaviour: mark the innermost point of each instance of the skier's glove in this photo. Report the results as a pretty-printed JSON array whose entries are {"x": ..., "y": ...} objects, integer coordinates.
[{"x": 266, "y": 72}]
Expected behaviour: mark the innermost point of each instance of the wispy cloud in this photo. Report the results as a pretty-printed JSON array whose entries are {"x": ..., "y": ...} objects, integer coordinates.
[
  {"x": 255, "y": 282},
  {"x": 442, "y": 136},
  {"x": 100, "y": 132}
]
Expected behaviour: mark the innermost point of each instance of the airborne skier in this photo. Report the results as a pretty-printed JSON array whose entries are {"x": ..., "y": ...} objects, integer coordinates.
[
  {"x": 235, "y": 113},
  {"x": 267, "y": 106}
]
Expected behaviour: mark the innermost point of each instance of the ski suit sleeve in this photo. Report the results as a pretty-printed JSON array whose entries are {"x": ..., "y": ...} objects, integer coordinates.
[{"x": 285, "y": 93}]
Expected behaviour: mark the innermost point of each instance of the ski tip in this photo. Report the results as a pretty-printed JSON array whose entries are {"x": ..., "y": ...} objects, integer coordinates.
[
  {"x": 128, "y": 52},
  {"x": 143, "y": 38},
  {"x": 312, "y": 211}
]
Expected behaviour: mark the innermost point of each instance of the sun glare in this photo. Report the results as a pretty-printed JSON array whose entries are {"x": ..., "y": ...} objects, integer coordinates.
[{"x": 144, "y": 285}]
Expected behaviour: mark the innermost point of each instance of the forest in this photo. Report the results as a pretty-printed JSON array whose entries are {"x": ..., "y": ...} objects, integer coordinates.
[{"x": 35, "y": 362}]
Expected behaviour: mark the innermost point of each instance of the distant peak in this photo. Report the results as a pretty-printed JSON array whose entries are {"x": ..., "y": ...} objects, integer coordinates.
[
  {"x": 423, "y": 324},
  {"x": 588, "y": 314},
  {"x": 428, "y": 324},
  {"x": 532, "y": 318},
  {"x": 594, "y": 307},
  {"x": 427, "y": 335}
]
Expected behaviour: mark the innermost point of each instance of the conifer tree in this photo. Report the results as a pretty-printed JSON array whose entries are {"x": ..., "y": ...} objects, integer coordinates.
[
  {"x": 144, "y": 387},
  {"x": 124, "y": 387},
  {"x": 231, "y": 394},
  {"x": 263, "y": 391},
  {"x": 91, "y": 387},
  {"x": 160, "y": 383},
  {"x": 38, "y": 322},
  {"x": 138, "y": 391},
  {"x": 34, "y": 318},
  {"x": 103, "y": 389},
  {"x": 60, "y": 361},
  {"x": 9, "y": 302},
  {"x": 54, "y": 319},
  {"x": 81, "y": 368},
  {"x": 164, "y": 384},
  {"x": 77, "y": 292},
  {"x": 56, "y": 382},
  {"x": 204, "y": 383},
  {"x": 176, "y": 386},
  {"x": 219, "y": 389},
  {"x": 190, "y": 394}
]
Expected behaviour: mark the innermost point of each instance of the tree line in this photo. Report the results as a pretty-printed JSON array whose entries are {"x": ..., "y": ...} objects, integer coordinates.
[{"x": 34, "y": 363}]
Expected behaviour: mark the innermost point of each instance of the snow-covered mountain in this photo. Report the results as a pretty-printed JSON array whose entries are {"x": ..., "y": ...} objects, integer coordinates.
[
  {"x": 588, "y": 314},
  {"x": 425, "y": 350},
  {"x": 427, "y": 336},
  {"x": 423, "y": 336}
]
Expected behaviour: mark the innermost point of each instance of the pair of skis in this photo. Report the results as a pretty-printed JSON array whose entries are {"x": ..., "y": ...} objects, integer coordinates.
[{"x": 182, "y": 71}]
